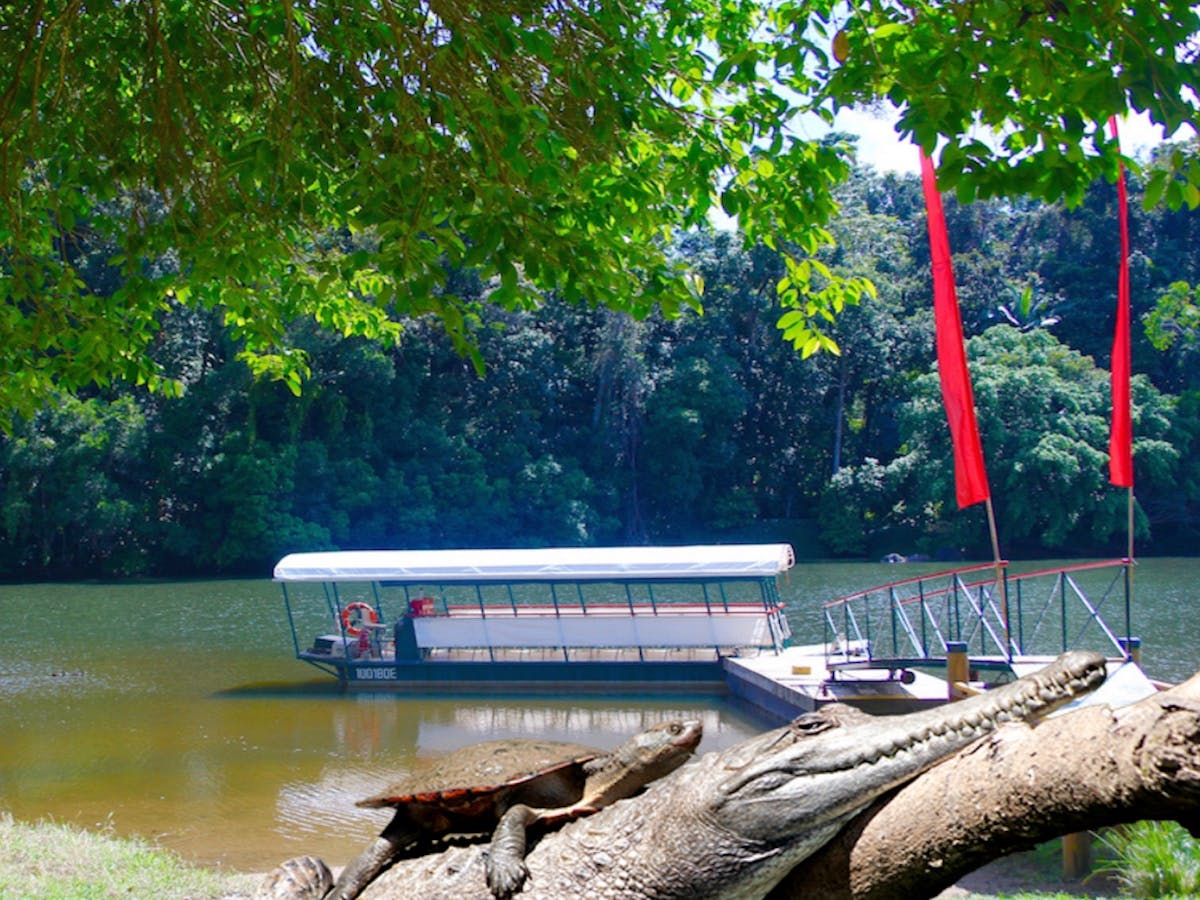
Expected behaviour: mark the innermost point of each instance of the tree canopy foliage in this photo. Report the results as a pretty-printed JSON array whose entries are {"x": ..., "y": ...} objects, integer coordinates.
[
  {"x": 282, "y": 161},
  {"x": 1041, "y": 75}
]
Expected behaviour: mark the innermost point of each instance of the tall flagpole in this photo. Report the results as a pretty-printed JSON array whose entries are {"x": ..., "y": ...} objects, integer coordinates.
[
  {"x": 1001, "y": 581},
  {"x": 970, "y": 475},
  {"x": 1120, "y": 444}
]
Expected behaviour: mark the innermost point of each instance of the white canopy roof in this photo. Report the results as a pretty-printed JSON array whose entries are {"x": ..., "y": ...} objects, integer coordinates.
[{"x": 719, "y": 561}]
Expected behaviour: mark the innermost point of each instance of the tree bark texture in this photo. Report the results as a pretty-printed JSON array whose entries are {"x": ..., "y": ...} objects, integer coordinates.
[{"x": 1017, "y": 788}]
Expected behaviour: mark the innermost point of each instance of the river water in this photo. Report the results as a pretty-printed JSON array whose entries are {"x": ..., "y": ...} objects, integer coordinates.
[{"x": 176, "y": 711}]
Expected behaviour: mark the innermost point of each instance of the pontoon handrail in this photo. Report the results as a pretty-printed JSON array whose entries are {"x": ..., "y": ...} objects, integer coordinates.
[
  {"x": 997, "y": 611},
  {"x": 932, "y": 576}
]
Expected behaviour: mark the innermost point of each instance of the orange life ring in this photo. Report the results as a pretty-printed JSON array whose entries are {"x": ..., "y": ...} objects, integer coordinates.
[{"x": 357, "y": 616}]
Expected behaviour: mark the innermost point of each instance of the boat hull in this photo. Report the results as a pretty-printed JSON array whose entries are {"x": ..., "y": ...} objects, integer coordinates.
[{"x": 551, "y": 676}]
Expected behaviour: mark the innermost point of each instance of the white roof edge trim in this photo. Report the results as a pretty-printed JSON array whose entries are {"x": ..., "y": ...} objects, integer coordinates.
[{"x": 548, "y": 564}]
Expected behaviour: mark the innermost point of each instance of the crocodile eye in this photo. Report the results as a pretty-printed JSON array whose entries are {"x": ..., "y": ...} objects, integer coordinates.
[{"x": 757, "y": 783}]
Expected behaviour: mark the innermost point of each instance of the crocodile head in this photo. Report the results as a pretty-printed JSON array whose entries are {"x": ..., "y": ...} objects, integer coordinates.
[{"x": 788, "y": 792}]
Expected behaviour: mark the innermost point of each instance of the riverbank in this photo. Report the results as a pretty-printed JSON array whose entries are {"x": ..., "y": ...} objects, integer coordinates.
[
  {"x": 49, "y": 861},
  {"x": 60, "y": 862}
]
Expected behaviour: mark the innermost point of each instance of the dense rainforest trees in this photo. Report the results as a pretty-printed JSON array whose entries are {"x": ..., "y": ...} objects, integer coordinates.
[
  {"x": 1044, "y": 427},
  {"x": 289, "y": 224},
  {"x": 592, "y": 426}
]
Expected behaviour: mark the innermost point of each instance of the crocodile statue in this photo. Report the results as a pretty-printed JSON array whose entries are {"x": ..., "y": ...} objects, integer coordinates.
[{"x": 733, "y": 823}]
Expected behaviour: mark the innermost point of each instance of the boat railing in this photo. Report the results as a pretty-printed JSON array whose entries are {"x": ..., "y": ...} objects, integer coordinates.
[
  {"x": 999, "y": 618},
  {"x": 600, "y": 609},
  {"x": 571, "y": 598},
  {"x": 720, "y": 615}
]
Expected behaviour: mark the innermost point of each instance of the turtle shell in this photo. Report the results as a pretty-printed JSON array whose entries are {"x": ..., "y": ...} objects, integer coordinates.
[
  {"x": 302, "y": 878},
  {"x": 473, "y": 786}
]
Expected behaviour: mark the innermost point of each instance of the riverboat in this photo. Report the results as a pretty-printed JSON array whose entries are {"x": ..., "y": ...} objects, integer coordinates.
[{"x": 528, "y": 619}]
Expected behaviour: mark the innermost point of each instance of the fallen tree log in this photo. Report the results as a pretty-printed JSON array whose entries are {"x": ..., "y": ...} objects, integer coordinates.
[{"x": 1014, "y": 789}]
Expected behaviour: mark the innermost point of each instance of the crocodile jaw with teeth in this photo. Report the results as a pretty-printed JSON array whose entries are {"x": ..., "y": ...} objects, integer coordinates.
[
  {"x": 742, "y": 819},
  {"x": 789, "y": 802}
]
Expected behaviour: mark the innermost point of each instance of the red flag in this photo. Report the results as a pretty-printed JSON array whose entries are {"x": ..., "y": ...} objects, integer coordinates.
[
  {"x": 970, "y": 476},
  {"x": 1120, "y": 441}
]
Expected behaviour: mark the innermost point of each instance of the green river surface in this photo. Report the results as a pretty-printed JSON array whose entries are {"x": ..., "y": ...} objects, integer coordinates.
[{"x": 176, "y": 711}]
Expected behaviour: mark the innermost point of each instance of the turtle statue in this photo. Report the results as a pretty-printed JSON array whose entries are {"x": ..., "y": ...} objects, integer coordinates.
[{"x": 500, "y": 788}]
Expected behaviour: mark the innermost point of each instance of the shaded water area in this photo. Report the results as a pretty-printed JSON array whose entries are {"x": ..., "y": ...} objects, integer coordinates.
[{"x": 176, "y": 711}]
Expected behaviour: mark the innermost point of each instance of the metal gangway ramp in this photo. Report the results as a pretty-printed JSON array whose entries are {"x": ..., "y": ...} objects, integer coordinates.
[{"x": 1001, "y": 618}]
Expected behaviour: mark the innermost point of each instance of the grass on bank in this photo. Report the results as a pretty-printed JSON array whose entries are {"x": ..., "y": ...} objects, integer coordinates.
[
  {"x": 49, "y": 861},
  {"x": 1143, "y": 861},
  {"x": 1153, "y": 859}
]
